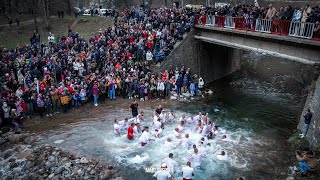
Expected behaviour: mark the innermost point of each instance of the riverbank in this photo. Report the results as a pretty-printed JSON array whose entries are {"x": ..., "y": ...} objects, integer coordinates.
[{"x": 23, "y": 158}]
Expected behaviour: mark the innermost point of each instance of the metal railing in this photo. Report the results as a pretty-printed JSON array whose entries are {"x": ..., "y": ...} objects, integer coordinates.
[
  {"x": 301, "y": 29},
  {"x": 279, "y": 27},
  {"x": 263, "y": 25}
]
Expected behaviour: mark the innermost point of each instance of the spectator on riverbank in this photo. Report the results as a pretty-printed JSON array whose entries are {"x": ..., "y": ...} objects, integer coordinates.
[
  {"x": 113, "y": 63},
  {"x": 307, "y": 162}
]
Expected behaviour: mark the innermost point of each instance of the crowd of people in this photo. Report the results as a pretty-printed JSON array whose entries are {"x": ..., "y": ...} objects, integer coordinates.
[
  {"x": 135, "y": 130},
  {"x": 70, "y": 70},
  {"x": 303, "y": 14},
  {"x": 306, "y": 14}
]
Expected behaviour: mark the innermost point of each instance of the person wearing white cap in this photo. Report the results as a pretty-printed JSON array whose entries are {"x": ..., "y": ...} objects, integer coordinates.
[{"x": 163, "y": 174}]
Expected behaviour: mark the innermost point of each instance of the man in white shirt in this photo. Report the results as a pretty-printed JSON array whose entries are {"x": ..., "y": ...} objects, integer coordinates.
[
  {"x": 176, "y": 133},
  {"x": 196, "y": 158},
  {"x": 163, "y": 174},
  {"x": 124, "y": 124},
  {"x": 163, "y": 116},
  {"x": 145, "y": 137},
  {"x": 116, "y": 127},
  {"x": 136, "y": 130},
  {"x": 157, "y": 125},
  {"x": 191, "y": 120},
  {"x": 222, "y": 156},
  {"x": 172, "y": 164},
  {"x": 181, "y": 126},
  {"x": 187, "y": 172},
  {"x": 199, "y": 116},
  {"x": 172, "y": 116},
  {"x": 183, "y": 118},
  {"x": 186, "y": 142}
]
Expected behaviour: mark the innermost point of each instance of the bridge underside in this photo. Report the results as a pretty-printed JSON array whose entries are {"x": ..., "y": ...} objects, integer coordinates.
[{"x": 303, "y": 51}]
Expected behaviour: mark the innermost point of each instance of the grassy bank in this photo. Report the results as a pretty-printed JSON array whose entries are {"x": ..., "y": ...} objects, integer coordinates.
[
  {"x": 296, "y": 143},
  {"x": 86, "y": 26}
]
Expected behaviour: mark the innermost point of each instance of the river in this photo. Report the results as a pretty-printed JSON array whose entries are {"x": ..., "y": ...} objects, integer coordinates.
[{"x": 257, "y": 108}]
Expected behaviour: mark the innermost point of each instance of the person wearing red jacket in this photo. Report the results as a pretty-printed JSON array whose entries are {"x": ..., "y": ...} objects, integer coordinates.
[{"x": 130, "y": 132}]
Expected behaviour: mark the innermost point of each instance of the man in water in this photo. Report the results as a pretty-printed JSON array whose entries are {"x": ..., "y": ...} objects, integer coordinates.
[
  {"x": 159, "y": 109},
  {"x": 172, "y": 116},
  {"x": 199, "y": 116},
  {"x": 163, "y": 174},
  {"x": 187, "y": 172},
  {"x": 163, "y": 116},
  {"x": 139, "y": 118},
  {"x": 186, "y": 142},
  {"x": 134, "y": 108},
  {"x": 124, "y": 124},
  {"x": 307, "y": 120},
  {"x": 145, "y": 137},
  {"x": 116, "y": 127},
  {"x": 157, "y": 125},
  {"x": 176, "y": 133},
  {"x": 172, "y": 164},
  {"x": 191, "y": 120},
  {"x": 130, "y": 132},
  {"x": 183, "y": 118},
  {"x": 222, "y": 156},
  {"x": 136, "y": 129},
  {"x": 196, "y": 158}
]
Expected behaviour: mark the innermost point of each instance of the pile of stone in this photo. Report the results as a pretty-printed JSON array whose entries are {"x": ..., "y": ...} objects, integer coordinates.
[{"x": 26, "y": 160}]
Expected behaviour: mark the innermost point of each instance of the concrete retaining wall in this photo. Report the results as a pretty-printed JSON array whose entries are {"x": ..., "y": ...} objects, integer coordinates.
[{"x": 313, "y": 102}]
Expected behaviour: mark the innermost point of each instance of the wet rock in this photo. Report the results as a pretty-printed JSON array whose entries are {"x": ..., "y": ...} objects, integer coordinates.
[
  {"x": 3, "y": 140},
  {"x": 48, "y": 165},
  {"x": 15, "y": 138},
  {"x": 92, "y": 172},
  {"x": 7, "y": 154},
  {"x": 59, "y": 170},
  {"x": 118, "y": 178},
  {"x": 107, "y": 174},
  {"x": 51, "y": 176},
  {"x": 28, "y": 165},
  {"x": 83, "y": 160},
  {"x": 13, "y": 165},
  {"x": 109, "y": 167},
  {"x": 51, "y": 158},
  {"x": 25, "y": 154},
  {"x": 12, "y": 159},
  {"x": 8, "y": 177}
]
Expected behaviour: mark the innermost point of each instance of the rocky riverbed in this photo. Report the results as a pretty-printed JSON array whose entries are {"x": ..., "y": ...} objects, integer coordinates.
[{"x": 22, "y": 158}]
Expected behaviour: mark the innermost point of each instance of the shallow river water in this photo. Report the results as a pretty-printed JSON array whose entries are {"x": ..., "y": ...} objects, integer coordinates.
[{"x": 256, "y": 118}]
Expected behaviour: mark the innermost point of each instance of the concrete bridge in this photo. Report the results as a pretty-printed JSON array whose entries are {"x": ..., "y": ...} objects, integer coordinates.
[{"x": 297, "y": 49}]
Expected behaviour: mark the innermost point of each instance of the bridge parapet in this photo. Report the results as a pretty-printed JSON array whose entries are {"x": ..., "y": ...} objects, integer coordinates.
[{"x": 297, "y": 49}]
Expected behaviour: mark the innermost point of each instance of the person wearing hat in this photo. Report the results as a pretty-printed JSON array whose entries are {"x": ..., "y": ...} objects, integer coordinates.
[{"x": 163, "y": 173}]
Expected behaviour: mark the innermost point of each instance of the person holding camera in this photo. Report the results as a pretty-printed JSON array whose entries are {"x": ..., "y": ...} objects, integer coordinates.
[{"x": 307, "y": 162}]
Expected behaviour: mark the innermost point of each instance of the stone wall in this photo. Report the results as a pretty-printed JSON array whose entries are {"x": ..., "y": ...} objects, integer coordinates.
[
  {"x": 313, "y": 102},
  {"x": 185, "y": 54}
]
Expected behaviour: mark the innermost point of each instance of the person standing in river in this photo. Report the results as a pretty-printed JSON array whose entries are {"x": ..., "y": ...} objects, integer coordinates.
[
  {"x": 134, "y": 108},
  {"x": 307, "y": 121}
]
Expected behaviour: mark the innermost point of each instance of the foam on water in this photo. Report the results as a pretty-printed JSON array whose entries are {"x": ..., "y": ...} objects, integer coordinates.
[{"x": 131, "y": 154}]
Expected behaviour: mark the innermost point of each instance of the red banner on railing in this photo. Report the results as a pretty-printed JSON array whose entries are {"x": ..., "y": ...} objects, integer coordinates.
[{"x": 219, "y": 21}]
